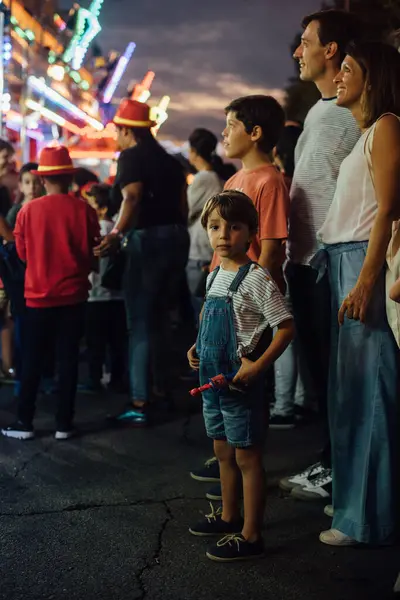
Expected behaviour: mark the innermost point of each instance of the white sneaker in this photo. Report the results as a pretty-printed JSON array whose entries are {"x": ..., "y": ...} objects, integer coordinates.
[
  {"x": 301, "y": 479},
  {"x": 334, "y": 537},
  {"x": 64, "y": 435},
  {"x": 318, "y": 488},
  {"x": 18, "y": 431},
  {"x": 328, "y": 511}
]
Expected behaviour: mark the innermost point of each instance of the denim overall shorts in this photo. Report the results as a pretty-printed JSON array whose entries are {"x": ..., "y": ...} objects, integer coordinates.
[{"x": 239, "y": 417}]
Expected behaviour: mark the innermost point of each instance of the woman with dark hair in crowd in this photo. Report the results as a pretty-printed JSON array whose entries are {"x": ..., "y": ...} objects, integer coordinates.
[
  {"x": 207, "y": 182},
  {"x": 363, "y": 398}
]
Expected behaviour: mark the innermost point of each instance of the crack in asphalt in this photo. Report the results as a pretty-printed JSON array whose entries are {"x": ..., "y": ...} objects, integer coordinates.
[
  {"x": 80, "y": 507},
  {"x": 156, "y": 558},
  {"x": 27, "y": 462}
]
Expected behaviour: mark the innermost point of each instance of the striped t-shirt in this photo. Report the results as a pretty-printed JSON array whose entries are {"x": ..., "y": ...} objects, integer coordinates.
[
  {"x": 257, "y": 304},
  {"x": 330, "y": 133}
]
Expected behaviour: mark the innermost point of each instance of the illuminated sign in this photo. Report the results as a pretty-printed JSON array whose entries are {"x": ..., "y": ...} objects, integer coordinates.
[{"x": 87, "y": 26}]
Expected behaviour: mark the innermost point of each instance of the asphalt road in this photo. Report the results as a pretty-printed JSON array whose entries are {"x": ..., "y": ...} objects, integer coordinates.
[{"x": 106, "y": 516}]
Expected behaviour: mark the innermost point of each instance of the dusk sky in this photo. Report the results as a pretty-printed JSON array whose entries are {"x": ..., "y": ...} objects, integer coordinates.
[{"x": 204, "y": 52}]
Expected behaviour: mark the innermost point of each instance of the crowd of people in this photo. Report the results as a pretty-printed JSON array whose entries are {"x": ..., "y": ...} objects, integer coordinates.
[{"x": 287, "y": 265}]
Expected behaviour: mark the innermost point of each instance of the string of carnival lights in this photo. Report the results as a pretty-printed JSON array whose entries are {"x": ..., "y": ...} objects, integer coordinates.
[{"x": 40, "y": 86}]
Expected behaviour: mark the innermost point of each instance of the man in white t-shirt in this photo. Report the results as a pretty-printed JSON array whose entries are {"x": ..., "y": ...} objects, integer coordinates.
[{"x": 329, "y": 135}]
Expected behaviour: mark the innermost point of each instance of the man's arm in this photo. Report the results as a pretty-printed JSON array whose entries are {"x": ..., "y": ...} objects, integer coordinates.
[{"x": 131, "y": 196}]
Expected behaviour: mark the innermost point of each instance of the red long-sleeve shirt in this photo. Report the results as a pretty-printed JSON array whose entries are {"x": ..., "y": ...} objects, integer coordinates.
[{"x": 55, "y": 236}]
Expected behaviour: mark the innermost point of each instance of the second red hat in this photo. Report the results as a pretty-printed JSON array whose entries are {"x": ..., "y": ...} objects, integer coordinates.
[{"x": 132, "y": 113}]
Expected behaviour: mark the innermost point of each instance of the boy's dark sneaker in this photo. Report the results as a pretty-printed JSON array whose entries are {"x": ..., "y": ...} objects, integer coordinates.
[
  {"x": 235, "y": 547},
  {"x": 209, "y": 472},
  {"x": 19, "y": 431},
  {"x": 213, "y": 524},
  {"x": 131, "y": 416},
  {"x": 214, "y": 493},
  {"x": 281, "y": 422}
]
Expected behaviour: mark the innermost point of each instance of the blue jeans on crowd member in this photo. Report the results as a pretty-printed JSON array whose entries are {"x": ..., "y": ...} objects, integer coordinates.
[
  {"x": 196, "y": 276},
  {"x": 362, "y": 404},
  {"x": 289, "y": 385},
  {"x": 239, "y": 417},
  {"x": 156, "y": 258}
]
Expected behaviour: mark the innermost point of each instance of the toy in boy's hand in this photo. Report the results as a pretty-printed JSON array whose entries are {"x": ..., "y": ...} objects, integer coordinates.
[{"x": 214, "y": 383}]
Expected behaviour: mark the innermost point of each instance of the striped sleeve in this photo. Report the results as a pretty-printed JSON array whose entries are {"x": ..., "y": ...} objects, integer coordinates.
[{"x": 268, "y": 298}]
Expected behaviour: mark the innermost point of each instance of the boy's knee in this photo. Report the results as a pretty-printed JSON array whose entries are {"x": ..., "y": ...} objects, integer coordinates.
[
  {"x": 223, "y": 451},
  {"x": 248, "y": 458}
]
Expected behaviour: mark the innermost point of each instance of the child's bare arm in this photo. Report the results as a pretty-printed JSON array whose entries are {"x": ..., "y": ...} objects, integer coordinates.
[
  {"x": 251, "y": 370},
  {"x": 394, "y": 293}
]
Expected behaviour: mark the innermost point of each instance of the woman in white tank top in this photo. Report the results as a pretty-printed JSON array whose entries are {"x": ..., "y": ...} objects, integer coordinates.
[{"x": 355, "y": 238}]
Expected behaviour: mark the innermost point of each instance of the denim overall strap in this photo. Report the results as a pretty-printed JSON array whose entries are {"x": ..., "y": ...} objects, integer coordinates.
[
  {"x": 241, "y": 274},
  {"x": 211, "y": 281},
  {"x": 217, "y": 336}
]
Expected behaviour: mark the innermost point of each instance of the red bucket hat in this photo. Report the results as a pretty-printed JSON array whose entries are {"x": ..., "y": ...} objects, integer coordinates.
[
  {"x": 55, "y": 161},
  {"x": 132, "y": 113}
]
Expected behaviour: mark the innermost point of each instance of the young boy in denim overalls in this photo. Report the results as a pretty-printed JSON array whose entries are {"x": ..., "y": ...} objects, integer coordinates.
[{"x": 242, "y": 305}]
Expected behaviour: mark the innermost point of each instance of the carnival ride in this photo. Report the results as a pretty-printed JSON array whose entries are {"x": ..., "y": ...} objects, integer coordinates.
[{"x": 52, "y": 88}]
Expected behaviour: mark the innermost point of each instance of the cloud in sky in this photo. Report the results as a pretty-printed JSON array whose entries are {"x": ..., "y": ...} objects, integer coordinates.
[{"x": 206, "y": 52}]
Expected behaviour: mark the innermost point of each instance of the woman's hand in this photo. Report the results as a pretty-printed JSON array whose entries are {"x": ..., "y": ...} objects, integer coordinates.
[
  {"x": 193, "y": 359},
  {"x": 248, "y": 372},
  {"x": 356, "y": 303}
]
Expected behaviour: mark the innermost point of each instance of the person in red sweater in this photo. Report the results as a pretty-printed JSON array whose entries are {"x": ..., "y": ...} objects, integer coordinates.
[{"x": 55, "y": 236}]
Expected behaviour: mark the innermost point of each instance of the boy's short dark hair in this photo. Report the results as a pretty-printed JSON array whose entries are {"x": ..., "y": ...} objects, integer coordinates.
[
  {"x": 5, "y": 145},
  {"x": 64, "y": 181},
  {"x": 264, "y": 111},
  {"x": 234, "y": 207},
  {"x": 337, "y": 26},
  {"x": 27, "y": 168}
]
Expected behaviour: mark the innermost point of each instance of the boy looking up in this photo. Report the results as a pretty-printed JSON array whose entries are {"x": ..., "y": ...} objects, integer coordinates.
[{"x": 253, "y": 127}]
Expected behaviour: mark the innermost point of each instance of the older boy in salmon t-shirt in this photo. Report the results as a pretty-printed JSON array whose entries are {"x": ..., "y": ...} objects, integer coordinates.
[
  {"x": 55, "y": 236},
  {"x": 253, "y": 127}
]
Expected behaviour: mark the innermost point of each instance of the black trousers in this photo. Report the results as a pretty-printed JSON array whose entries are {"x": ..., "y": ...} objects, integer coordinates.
[
  {"x": 58, "y": 331},
  {"x": 311, "y": 303},
  {"x": 106, "y": 331}
]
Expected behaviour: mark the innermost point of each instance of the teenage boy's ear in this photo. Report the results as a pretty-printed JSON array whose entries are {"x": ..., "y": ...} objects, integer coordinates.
[
  {"x": 256, "y": 134},
  {"x": 331, "y": 50}
]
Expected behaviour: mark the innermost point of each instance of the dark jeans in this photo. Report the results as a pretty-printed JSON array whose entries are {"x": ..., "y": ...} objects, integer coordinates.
[
  {"x": 106, "y": 330},
  {"x": 311, "y": 310},
  {"x": 156, "y": 259},
  {"x": 51, "y": 330}
]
